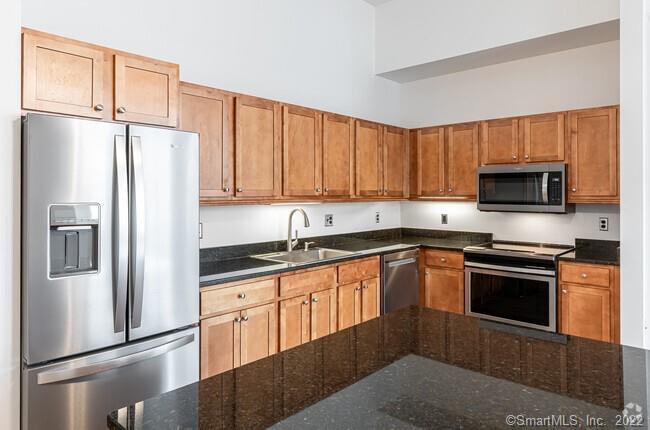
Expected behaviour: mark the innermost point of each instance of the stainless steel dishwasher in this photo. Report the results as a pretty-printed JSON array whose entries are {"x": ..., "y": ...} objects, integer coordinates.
[{"x": 400, "y": 280}]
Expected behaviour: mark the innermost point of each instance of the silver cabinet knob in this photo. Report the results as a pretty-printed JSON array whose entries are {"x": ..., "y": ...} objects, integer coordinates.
[
  {"x": 326, "y": 189},
  {"x": 238, "y": 319},
  {"x": 318, "y": 190},
  {"x": 385, "y": 190},
  {"x": 306, "y": 302},
  {"x": 239, "y": 190},
  {"x": 99, "y": 107},
  {"x": 449, "y": 190},
  {"x": 514, "y": 157},
  {"x": 584, "y": 276},
  {"x": 315, "y": 299},
  {"x": 574, "y": 190},
  {"x": 441, "y": 190},
  {"x": 121, "y": 109},
  {"x": 443, "y": 259},
  {"x": 242, "y": 295},
  {"x": 564, "y": 291},
  {"x": 226, "y": 189},
  {"x": 526, "y": 157},
  {"x": 245, "y": 318},
  {"x": 358, "y": 289}
]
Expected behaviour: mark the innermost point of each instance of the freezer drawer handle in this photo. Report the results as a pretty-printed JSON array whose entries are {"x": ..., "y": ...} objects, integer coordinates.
[
  {"x": 104, "y": 366},
  {"x": 401, "y": 262},
  {"x": 138, "y": 229}
]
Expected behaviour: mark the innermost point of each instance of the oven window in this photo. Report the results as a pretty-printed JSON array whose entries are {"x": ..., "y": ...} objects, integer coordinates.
[
  {"x": 512, "y": 298},
  {"x": 511, "y": 188}
]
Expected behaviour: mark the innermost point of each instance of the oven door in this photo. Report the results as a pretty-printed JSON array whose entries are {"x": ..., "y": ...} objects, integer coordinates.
[{"x": 523, "y": 299}]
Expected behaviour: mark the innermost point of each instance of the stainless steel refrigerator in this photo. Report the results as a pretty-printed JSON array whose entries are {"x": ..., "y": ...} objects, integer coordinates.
[{"x": 110, "y": 267}]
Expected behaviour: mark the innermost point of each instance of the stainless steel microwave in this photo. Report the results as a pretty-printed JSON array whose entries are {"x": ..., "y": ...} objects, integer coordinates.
[{"x": 522, "y": 188}]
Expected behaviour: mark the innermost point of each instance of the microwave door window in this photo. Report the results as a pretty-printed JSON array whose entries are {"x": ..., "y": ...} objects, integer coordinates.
[{"x": 510, "y": 188}]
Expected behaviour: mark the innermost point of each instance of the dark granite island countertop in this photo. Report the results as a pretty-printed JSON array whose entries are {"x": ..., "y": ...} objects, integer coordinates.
[{"x": 415, "y": 368}]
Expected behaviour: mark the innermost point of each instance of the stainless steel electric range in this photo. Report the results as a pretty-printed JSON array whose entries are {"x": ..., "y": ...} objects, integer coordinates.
[{"x": 513, "y": 283}]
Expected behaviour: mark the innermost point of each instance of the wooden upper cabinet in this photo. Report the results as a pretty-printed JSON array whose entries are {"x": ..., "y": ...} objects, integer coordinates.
[
  {"x": 430, "y": 158},
  {"x": 543, "y": 137},
  {"x": 338, "y": 155},
  {"x": 395, "y": 142},
  {"x": 462, "y": 160},
  {"x": 258, "y": 130},
  {"x": 211, "y": 114},
  {"x": 302, "y": 151},
  {"x": 146, "y": 91},
  {"x": 594, "y": 165},
  {"x": 62, "y": 76},
  {"x": 368, "y": 158},
  {"x": 499, "y": 141}
]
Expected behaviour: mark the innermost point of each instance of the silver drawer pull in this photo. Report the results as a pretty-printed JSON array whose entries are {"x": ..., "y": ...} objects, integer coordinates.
[
  {"x": 584, "y": 276},
  {"x": 245, "y": 318},
  {"x": 315, "y": 299},
  {"x": 242, "y": 295},
  {"x": 237, "y": 319},
  {"x": 443, "y": 259},
  {"x": 306, "y": 302}
]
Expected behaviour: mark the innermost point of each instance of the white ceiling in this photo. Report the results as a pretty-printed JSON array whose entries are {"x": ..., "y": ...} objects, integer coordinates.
[{"x": 377, "y": 2}]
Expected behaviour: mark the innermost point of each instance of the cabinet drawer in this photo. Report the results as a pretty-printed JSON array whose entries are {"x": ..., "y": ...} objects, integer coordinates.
[
  {"x": 446, "y": 259},
  {"x": 358, "y": 271},
  {"x": 585, "y": 274},
  {"x": 228, "y": 298},
  {"x": 304, "y": 283}
]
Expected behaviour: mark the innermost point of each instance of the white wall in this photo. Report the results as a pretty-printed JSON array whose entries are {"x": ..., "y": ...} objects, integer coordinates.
[
  {"x": 635, "y": 173},
  {"x": 10, "y": 215},
  {"x": 317, "y": 53},
  {"x": 412, "y": 32},
  {"x": 570, "y": 79},
  {"x": 533, "y": 227},
  {"x": 231, "y": 225}
]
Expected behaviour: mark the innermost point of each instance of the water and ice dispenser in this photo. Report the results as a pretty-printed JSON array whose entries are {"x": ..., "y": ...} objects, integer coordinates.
[{"x": 74, "y": 239}]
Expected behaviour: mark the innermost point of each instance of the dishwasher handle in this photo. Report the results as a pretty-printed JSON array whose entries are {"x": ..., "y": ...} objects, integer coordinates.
[{"x": 397, "y": 263}]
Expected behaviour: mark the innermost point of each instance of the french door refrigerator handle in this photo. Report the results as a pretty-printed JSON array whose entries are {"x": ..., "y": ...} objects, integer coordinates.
[
  {"x": 121, "y": 237},
  {"x": 137, "y": 232},
  {"x": 106, "y": 365}
]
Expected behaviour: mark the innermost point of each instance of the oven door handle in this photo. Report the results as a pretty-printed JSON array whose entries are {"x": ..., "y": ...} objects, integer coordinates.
[{"x": 469, "y": 265}]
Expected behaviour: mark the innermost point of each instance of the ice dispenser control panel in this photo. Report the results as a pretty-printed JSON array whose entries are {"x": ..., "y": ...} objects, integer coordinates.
[{"x": 74, "y": 239}]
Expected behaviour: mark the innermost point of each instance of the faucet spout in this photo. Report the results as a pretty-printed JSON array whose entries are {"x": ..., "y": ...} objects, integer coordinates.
[{"x": 291, "y": 243}]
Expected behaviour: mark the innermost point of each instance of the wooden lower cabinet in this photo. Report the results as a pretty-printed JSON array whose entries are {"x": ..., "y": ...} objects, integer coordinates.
[
  {"x": 323, "y": 313},
  {"x": 358, "y": 302},
  {"x": 307, "y": 317},
  {"x": 369, "y": 299},
  {"x": 589, "y": 304},
  {"x": 444, "y": 289},
  {"x": 237, "y": 338}
]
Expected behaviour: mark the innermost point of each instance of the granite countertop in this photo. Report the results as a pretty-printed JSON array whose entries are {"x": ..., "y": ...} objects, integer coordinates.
[
  {"x": 414, "y": 368},
  {"x": 594, "y": 252},
  {"x": 219, "y": 271}
]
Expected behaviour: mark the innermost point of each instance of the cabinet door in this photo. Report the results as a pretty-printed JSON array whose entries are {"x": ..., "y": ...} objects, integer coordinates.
[
  {"x": 62, "y": 76},
  {"x": 146, "y": 91},
  {"x": 323, "y": 313},
  {"x": 431, "y": 162},
  {"x": 338, "y": 155},
  {"x": 585, "y": 311},
  {"x": 544, "y": 137},
  {"x": 349, "y": 305},
  {"x": 220, "y": 340},
  {"x": 444, "y": 290},
  {"x": 258, "y": 126},
  {"x": 210, "y": 113},
  {"x": 369, "y": 299},
  {"x": 593, "y": 166},
  {"x": 499, "y": 141},
  {"x": 258, "y": 328},
  {"x": 368, "y": 158},
  {"x": 462, "y": 160},
  {"x": 294, "y": 322},
  {"x": 395, "y": 162},
  {"x": 302, "y": 152}
]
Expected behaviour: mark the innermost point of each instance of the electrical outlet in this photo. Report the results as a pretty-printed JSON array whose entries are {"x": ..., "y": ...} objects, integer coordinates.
[
  {"x": 376, "y": 217},
  {"x": 329, "y": 220},
  {"x": 603, "y": 223},
  {"x": 444, "y": 219}
]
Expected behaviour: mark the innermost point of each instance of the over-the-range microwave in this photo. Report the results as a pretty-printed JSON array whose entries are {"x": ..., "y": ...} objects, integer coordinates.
[{"x": 522, "y": 188}]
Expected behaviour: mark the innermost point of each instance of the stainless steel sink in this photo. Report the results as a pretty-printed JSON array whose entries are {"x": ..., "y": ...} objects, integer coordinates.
[{"x": 301, "y": 256}]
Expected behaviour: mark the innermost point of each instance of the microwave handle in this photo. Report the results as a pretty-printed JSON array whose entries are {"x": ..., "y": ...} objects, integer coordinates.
[{"x": 545, "y": 188}]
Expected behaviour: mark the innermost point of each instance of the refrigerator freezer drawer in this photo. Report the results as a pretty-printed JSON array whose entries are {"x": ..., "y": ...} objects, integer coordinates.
[{"x": 79, "y": 393}]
